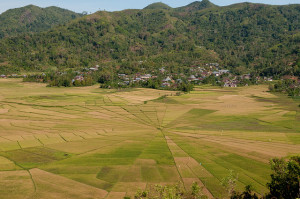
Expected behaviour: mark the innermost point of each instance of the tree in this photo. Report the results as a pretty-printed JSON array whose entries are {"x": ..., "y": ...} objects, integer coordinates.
[
  {"x": 247, "y": 194},
  {"x": 284, "y": 181},
  {"x": 285, "y": 178},
  {"x": 230, "y": 182},
  {"x": 186, "y": 87},
  {"x": 176, "y": 191}
]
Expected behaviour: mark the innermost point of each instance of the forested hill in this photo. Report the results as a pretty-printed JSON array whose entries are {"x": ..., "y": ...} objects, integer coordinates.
[
  {"x": 31, "y": 19},
  {"x": 243, "y": 37}
]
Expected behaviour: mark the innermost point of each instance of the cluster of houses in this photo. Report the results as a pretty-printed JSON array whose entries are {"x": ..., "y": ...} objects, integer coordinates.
[
  {"x": 296, "y": 81},
  {"x": 230, "y": 83},
  {"x": 196, "y": 75},
  {"x": 12, "y": 76},
  {"x": 203, "y": 72},
  {"x": 138, "y": 77}
]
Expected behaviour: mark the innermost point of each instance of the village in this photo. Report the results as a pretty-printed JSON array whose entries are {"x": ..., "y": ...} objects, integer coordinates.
[{"x": 209, "y": 73}]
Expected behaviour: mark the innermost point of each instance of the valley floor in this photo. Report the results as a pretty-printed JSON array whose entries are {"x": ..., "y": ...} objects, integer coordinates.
[{"x": 95, "y": 143}]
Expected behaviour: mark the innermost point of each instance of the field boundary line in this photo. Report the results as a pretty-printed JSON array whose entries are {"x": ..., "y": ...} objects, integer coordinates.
[
  {"x": 34, "y": 185},
  {"x": 173, "y": 159},
  {"x": 150, "y": 120}
]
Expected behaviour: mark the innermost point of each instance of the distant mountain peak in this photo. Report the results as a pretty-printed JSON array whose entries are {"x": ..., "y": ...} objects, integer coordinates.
[
  {"x": 158, "y": 5},
  {"x": 33, "y": 19},
  {"x": 197, "y": 5},
  {"x": 31, "y": 6}
]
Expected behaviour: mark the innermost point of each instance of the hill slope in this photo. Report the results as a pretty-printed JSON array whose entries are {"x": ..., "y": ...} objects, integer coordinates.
[
  {"x": 158, "y": 5},
  {"x": 243, "y": 37},
  {"x": 197, "y": 5},
  {"x": 30, "y": 19}
]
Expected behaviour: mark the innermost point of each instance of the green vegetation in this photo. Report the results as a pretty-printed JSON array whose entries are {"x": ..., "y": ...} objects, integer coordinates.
[
  {"x": 168, "y": 116},
  {"x": 110, "y": 142},
  {"x": 285, "y": 178},
  {"x": 245, "y": 37},
  {"x": 288, "y": 86},
  {"x": 197, "y": 5},
  {"x": 247, "y": 194},
  {"x": 32, "y": 157},
  {"x": 106, "y": 80},
  {"x": 171, "y": 191},
  {"x": 33, "y": 19},
  {"x": 66, "y": 79},
  {"x": 158, "y": 5},
  {"x": 284, "y": 184},
  {"x": 284, "y": 181}
]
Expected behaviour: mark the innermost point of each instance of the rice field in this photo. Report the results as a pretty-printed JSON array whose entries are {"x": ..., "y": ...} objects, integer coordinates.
[{"x": 110, "y": 143}]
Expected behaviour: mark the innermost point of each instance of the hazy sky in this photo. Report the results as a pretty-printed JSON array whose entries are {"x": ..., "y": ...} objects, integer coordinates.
[{"x": 113, "y": 5}]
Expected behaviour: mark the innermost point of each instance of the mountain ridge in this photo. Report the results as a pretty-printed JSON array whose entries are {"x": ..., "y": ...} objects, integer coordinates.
[
  {"x": 197, "y": 5},
  {"x": 244, "y": 37},
  {"x": 32, "y": 19},
  {"x": 158, "y": 5}
]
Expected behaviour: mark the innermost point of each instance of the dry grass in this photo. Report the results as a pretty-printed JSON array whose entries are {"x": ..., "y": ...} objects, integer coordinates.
[
  {"x": 190, "y": 170},
  {"x": 116, "y": 195},
  {"x": 53, "y": 186},
  {"x": 105, "y": 141},
  {"x": 16, "y": 184}
]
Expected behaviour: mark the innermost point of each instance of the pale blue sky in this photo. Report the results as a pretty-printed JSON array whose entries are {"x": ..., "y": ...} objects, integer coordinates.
[{"x": 114, "y": 5}]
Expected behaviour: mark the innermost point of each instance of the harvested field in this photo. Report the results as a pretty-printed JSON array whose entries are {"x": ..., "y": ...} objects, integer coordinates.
[
  {"x": 110, "y": 143},
  {"x": 53, "y": 186},
  {"x": 16, "y": 184}
]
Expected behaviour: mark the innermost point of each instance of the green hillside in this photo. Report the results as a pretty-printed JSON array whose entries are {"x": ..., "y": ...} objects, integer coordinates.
[
  {"x": 158, "y": 5},
  {"x": 31, "y": 19},
  {"x": 197, "y": 5},
  {"x": 243, "y": 37}
]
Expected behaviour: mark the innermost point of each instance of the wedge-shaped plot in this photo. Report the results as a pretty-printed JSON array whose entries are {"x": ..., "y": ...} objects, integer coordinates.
[
  {"x": 50, "y": 186},
  {"x": 6, "y": 164},
  {"x": 16, "y": 185},
  {"x": 116, "y": 195},
  {"x": 9, "y": 146},
  {"x": 30, "y": 143}
]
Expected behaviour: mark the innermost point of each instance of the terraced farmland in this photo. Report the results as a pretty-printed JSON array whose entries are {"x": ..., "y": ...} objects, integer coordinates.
[{"x": 95, "y": 143}]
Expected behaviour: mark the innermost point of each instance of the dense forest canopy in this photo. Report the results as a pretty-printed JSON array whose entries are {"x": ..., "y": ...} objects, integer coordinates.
[
  {"x": 242, "y": 37},
  {"x": 32, "y": 19}
]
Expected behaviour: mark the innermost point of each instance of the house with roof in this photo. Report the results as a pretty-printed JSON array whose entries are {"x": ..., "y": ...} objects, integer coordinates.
[
  {"x": 93, "y": 69},
  {"x": 179, "y": 81},
  {"x": 216, "y": 73},
  {"x": 79, "y": 78},
  {"x": 291, "y": 77},
  {"x": 192, "y": 78},
  {"x": 230, "y": 84},
  {"x": 223, "y": 71},
  {"x": 162, "y": 70},
  {"x": 165, "y": 84},
  {"x": 167, "y": 79},
  {"x": 246, "y": 76},
  {"x": 146, "y": 76}
]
